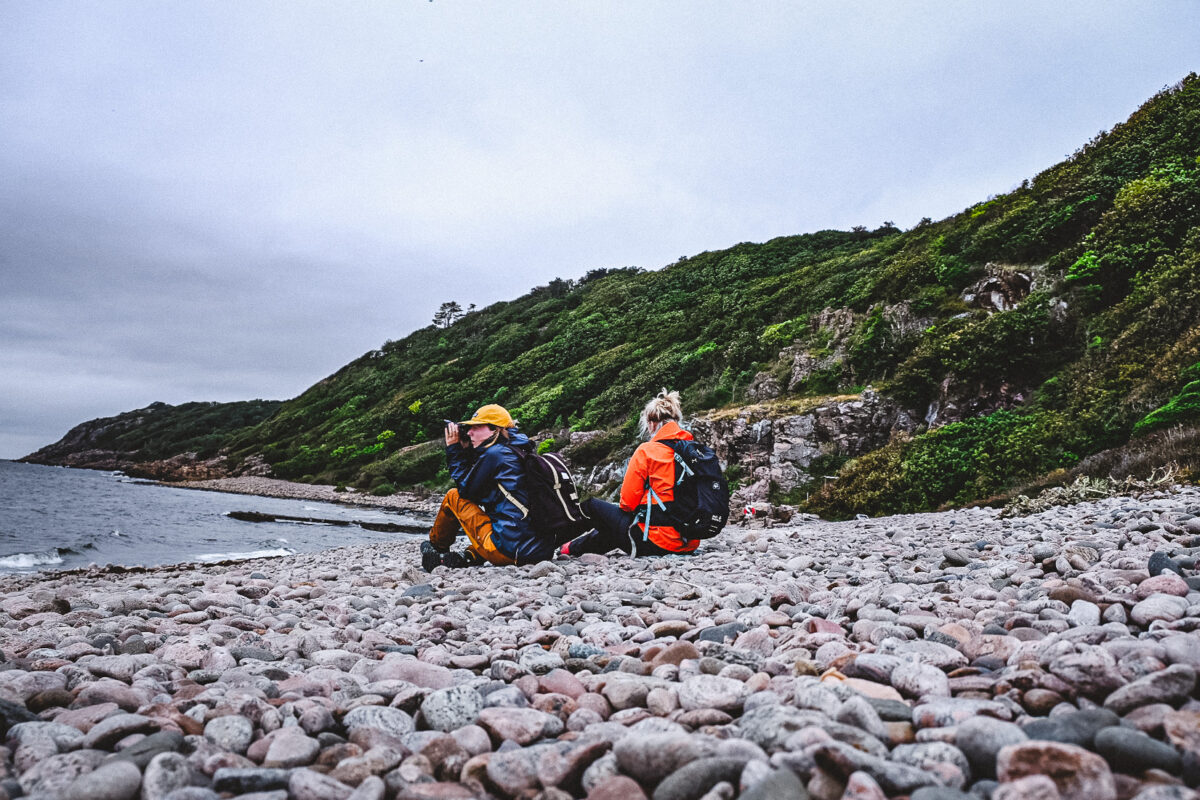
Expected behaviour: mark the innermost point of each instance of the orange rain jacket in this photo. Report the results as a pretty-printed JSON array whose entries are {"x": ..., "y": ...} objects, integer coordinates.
[{"x": 655, "y": 462}]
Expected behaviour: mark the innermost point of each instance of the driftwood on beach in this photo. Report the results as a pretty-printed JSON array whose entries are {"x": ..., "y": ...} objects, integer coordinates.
[{"x": 382, "y": 527}]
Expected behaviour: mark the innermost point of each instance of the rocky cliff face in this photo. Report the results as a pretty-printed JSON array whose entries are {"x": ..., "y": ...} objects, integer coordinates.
[
  {"x": 181, "y": 467},
  {"x": 778, "y": 445}
]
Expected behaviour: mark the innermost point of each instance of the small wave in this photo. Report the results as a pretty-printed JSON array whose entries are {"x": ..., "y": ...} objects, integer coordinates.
[
  {"x": 31, "y": 560},
  {"x": 272, "y": 553}
]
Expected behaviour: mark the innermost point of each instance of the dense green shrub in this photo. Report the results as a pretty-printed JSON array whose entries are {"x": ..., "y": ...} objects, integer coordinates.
[
  {"x": 953, "y": 464},
  {"x": 1183, "y": 407}
]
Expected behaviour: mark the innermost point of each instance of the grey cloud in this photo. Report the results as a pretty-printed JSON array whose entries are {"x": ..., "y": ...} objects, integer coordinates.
[{"x": 229, "y": 201}]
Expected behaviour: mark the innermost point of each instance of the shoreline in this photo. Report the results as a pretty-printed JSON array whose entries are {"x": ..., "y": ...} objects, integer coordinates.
[
  {"x": 291, "y": 490},
  {"x": 954, "y": 652}
]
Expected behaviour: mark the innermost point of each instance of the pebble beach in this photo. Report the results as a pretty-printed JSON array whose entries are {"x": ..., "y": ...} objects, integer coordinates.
[{"x": 948, "y": 656}]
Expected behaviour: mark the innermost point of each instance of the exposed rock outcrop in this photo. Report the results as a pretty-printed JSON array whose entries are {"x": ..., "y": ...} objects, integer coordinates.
[
  {"x": 1001, "y": 289},
  {"x": 778, "y": 445},
  {"x": 956, "y": 401}
]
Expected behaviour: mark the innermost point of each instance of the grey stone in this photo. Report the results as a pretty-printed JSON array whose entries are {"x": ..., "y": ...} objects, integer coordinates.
[
  {"x": 712, "y": 691},
  {"x": 305, "y": 784},
  {"x": 926, "y": 755},
  {"x": 941, "y": 793},
  {"x": 1172, "y": 685},
  {"x": 919, "y": 680},
  {"x": 722, "y": 633},
  {"x": 539, "y": 661},
  {"x": 231, "y": 732},
  {"x": 1182, "y": 648},
  {"x": 515, "y": 771},
  {"x": 818, "y": 698},
  {"x": 165, "y": 773},
  {"x": 200, "y": 793},
  {"x": 770, "y": 726},
  {"x": 647, "y": 757},
  {"x": 981, "y": 738},
  {"x": 291, "y": 749},
  {"x": 251, "y": 653},
  {"x": 391, "y": 721},
  {"x": 1132, "y": 751},
  {"x": 506, "y": 697},
  {"x": 143, "y": 751},
  {"x": 116, "y": 780},
  {"x": 1165, "y": 607},
  {"x": 858, "y": 713},
  {"x": 843, "y": 760},
  {"x": 107, "y": 732},
  {"x": 121, "y": 668},
  {"x": 1160, "y": 562},
  {"x": 781, "y": 784},
  {"x": 891, "y": 710},
  {"x": 372, "y": 788},
  {"x": 14, "y": 714},
  {"x": 54, "y": 774},
  {"x": 693, "y": 780},
  {"x": 1077, "y": 728},
  {"x": 1084, "y": 614},
  {"x": 58, "y": 736},
  {"x": 450, "y": 709},
  {"x": 238, "y": 780}
]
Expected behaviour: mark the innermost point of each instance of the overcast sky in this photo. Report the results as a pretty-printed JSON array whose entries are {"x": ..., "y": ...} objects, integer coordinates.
[{"x": 231, "y": 200}]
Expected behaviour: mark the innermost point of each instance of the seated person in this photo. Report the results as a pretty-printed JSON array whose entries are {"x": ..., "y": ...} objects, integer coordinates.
[
  {"x": 651, "y": 469},
  {"x": 489, "y": 498}
]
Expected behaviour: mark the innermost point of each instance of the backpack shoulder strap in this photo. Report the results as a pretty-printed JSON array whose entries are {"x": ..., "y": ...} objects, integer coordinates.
[{"x": 680, "y": 448}]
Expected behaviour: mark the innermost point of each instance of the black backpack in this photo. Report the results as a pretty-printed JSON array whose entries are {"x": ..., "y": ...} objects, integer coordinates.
[
  {"x": 554, "y": 509},
  {"x": 701, "y": 505}
]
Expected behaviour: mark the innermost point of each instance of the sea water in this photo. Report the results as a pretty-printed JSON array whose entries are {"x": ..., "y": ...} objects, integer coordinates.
[{"x": 59, "y": 518}]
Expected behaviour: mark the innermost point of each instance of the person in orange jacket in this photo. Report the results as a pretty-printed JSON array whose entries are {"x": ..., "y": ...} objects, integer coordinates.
[{"x": 640, "y": 525}]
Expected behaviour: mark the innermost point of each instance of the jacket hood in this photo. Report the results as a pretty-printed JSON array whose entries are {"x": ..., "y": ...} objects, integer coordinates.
[{"x": 670, "y": 431}]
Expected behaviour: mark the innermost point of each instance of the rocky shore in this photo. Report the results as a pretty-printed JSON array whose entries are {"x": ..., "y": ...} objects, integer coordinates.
[
  {"x": 932, "y": 656},
  {"x": 274, "y": 487}
]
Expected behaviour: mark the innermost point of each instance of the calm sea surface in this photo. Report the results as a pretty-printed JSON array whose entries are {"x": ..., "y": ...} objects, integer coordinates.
[{"x": 56, "y": 518}]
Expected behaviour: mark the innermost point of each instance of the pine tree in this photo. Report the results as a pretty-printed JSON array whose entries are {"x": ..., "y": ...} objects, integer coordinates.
[{"x": 447, "y": 313}]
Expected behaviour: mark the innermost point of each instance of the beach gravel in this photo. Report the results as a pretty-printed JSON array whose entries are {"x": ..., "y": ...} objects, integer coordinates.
[{"x": 948, "y": 655}]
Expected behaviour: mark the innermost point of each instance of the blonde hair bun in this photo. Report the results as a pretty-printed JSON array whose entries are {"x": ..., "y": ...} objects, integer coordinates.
[{"x": 665, "y": 407}]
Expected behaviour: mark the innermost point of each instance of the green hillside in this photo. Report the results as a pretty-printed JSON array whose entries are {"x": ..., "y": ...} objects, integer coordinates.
[
  {"x": 1104, "y": 348},
  {"x": 156, "y": 432}
]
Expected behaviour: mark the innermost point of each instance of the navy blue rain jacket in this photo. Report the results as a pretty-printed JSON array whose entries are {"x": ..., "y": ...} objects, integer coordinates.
[{"x": 479, "y": 475}]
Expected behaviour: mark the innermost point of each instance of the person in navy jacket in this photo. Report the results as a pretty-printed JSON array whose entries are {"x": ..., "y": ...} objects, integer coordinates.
[{"x": 489, "y": 499}]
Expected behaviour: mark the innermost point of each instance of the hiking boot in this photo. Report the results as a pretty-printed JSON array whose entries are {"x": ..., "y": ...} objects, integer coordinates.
[
  {"x": 564, "y": 550},
  {"x": 431, "y": 557},
  {"x": 459, "y": 560}
]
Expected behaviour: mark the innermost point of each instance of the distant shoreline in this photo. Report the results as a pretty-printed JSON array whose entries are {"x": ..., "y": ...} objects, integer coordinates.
[{"x": 275, "y": 487}]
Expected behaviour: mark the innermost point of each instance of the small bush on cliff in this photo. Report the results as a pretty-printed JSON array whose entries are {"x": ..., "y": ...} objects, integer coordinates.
[{"x": 1183, "y": 407}]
